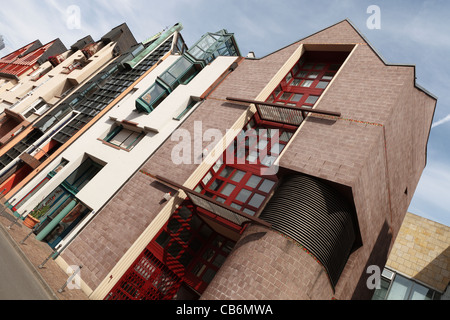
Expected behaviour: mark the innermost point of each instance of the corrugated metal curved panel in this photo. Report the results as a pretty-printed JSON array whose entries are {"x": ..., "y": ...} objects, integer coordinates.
[{"x": 316, "y": 216}]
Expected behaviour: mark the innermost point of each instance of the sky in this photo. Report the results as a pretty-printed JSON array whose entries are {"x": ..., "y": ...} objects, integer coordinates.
[{"x": 402, "y": 31}]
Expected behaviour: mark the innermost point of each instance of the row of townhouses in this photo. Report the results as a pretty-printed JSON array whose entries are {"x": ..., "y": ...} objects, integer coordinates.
[{"x": 176, "y": 171}]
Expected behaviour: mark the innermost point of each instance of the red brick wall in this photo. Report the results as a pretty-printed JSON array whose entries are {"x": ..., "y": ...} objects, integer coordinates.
[
  {"x": 264, "y": 265},
  {"x": 123, "y": 219}
]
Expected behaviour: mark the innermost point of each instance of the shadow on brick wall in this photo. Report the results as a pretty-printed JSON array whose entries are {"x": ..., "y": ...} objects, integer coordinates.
[{"x": 378, "y": 257}]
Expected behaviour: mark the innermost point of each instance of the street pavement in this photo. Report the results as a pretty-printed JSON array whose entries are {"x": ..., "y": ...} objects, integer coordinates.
[
  {"x": 18, "y": 280},
  {"x": 23, "y": 279}
]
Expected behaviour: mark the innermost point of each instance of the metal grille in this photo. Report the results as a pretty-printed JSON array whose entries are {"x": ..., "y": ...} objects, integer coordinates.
[
  {"x": 291, "y": 116},
  {"x": 316, "y": 216},
  {"x": 147, "y": 279}
]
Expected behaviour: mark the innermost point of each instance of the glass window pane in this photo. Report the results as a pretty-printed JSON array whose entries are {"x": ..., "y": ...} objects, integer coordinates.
[
  {"x": 253, "y": 181},
  {"x": 228, "y": 189},
  {"x": 307, "y": 83},
  {"x": 267, "y": 186},
  {"x": 238, "y": 175},
  {"x": 313, "y": 75},
  {"x": 226, "y": 172},
  {"x": 297, "y": 97},
  {"x": 208, "y": 276},
  {"x": 296, "y": 82},
  {"x": 268, "y": 161},
  {"x": 207, "y": 178},
  {"x": 252, "y": 157},
  {"x": 322, "y": 85},
  {"x": 286, "y": 136},
  {"x": 400, "y": 289},
  {"x": 277, "y": 148},
  {"x": 243, "y": 195},
  {"x": 288, "y": 77},
  {"x": 286, "y": 96},
  {"x": 216, "y": 185},
  {"x": 257, "y": 200},
  {"x": 312, "y": 99},
  {"x": 380, "y": 294},
  {"x": 420, "y": 292},
  {"x": 262, "y": 144}
]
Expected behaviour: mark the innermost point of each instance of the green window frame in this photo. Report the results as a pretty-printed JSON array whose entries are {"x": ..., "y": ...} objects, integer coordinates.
[{"x": 124, "y": 138}]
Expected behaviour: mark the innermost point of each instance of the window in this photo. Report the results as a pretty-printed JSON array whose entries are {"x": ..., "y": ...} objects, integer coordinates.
[
  {"x": 397, "y": 287},
  {"x": 307, "y": 80},
  {"x": 39, "y": 108},
  {"x": 124, "y": 138},
  {"x": 191, "y": 247}
]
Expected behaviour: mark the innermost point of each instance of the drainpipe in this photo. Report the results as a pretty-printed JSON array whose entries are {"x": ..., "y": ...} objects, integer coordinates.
[{"x": 56, "y": 220}]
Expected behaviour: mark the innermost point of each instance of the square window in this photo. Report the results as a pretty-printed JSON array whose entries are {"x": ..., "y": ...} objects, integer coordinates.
[
  {"x": 207, "y": 178},
  {"x": 208, "y": 276},
  {"x": 228, "y": 189},
  {"x": 296, "y": 82},
  {"x": 277, "y": 148},
  {"x": 313, "y": 75},
  {"x": 312, "y": 99},
  {"x": 216, "y": 185},
  {"x": 257, "y": 200},
  {"x": 286, "y": 136},
  {"x": 267, "y": 186},
  {"x": 243, "y": 195},
  {"x": 252, "y": 157},
  {"x": 262, "y": 144},
  {"x": 297, "y": 97},
  {"x": 268, "y": 161},
  {"x": 253, "y": 181},
  {"x": 288, "y": 77},
  {"x": 322, "y": 85},
  {"x": 307, "y": 83},
  {"x": 238, "y": 175},
  {"x": 286, "y": 96},
  {"x": 226, "y": 172}
]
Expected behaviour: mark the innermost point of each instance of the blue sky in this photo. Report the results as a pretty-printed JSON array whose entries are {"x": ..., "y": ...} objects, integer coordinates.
[{"x": 412, "y": 32}]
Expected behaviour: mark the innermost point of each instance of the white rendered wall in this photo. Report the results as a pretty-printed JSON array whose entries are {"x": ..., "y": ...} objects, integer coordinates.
[{"x": 121, "y": 164}]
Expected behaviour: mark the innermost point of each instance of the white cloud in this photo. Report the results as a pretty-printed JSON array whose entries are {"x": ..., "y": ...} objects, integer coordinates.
[{"x": 441, "y": 122}]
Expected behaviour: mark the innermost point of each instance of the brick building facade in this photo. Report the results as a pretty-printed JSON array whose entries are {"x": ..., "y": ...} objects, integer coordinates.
[{"x": 306, "y": 212}]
